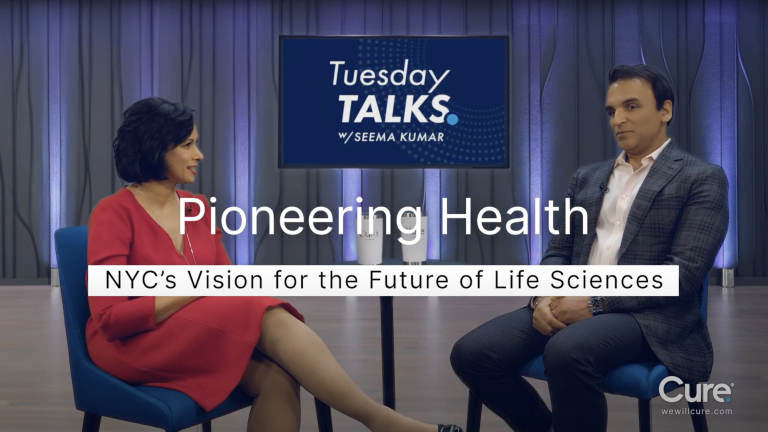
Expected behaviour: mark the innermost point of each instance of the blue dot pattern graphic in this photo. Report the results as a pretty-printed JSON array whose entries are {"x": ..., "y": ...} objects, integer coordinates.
[{"x": 479, "y": 140}]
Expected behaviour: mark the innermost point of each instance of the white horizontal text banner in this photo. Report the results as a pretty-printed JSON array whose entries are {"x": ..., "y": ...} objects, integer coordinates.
[{"x": 357, "y": 280}]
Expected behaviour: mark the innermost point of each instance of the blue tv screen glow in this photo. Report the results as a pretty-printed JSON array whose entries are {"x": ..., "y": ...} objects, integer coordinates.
[{"x": 393, "y": 102}]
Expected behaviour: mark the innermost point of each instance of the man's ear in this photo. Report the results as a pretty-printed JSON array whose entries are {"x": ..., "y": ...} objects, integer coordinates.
[{"x": 666, "y": 111}]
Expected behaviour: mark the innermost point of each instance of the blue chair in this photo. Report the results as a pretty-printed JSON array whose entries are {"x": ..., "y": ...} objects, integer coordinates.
[
  {"x": 99, "y": 394},
  {"x": 638, "y": 380}
]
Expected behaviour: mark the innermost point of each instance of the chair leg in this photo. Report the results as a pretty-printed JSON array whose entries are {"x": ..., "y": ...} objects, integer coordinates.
[
  {"x": 644, "y": 413},
  {"x": 474, "y": 412},
  {"x": 324, "y": 421},
  {"x": 207, "y": 426},
  {"x": 698, "y": 417},
  {"x": 91, "y": 422}
]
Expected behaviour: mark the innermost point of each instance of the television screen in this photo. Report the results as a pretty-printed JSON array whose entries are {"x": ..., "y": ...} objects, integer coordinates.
[{"x": 393, "y": 102}]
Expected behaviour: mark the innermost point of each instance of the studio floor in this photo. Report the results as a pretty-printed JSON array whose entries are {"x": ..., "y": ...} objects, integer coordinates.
[{"x": 36, "y": 390}]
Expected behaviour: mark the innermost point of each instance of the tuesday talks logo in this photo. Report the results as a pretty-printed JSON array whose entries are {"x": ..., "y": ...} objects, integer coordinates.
[
  {"x": 399, "y": 77},
  {"x": 409, "y": 109}
]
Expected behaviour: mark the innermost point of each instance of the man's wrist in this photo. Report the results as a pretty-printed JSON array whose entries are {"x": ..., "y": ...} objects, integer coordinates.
[
  {"x": 536, "y": 301},
  {"x": 596, "y": 306}
]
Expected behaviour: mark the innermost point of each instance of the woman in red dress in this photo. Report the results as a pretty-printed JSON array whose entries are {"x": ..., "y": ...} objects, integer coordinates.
[{"x": 202, "y": 346}]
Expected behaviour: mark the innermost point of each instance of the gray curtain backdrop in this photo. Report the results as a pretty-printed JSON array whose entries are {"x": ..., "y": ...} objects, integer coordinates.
[{"x": 69, "y": 69}]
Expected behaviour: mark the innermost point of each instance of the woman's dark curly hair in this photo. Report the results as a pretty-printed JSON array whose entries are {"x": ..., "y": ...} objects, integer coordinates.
[{"x": 151, "y": 127}]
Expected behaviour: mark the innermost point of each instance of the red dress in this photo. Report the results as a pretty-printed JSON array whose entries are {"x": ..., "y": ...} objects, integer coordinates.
[{"x": 202, "y": 349}]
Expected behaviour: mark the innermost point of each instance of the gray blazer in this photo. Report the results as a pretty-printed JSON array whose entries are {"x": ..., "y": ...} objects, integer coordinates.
[{"x": 679, "y": 216}]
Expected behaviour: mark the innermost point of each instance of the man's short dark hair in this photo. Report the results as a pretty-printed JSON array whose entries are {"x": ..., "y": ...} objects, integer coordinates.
[
  {"x": 151, "y": 127},
  {"x": 662, "y": 91}
]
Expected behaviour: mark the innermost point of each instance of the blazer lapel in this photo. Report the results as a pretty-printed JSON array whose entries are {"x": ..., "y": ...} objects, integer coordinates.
[
  {"x": 593, "y": 202},
  {"x": 663, "y": 170}
]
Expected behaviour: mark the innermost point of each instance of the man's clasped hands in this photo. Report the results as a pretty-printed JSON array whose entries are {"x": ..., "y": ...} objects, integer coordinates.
[{"x": 553, "y": 314}]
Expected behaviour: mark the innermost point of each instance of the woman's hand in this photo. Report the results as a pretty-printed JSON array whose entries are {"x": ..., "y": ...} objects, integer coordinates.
[{"x": 543, "y": 319}]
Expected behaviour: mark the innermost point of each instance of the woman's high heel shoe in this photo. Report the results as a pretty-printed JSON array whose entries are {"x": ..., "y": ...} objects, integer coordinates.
[{"x": 448, "y": 428}]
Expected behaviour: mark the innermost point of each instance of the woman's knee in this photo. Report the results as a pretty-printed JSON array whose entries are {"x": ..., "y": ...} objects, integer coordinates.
[
  {"x": 277, "y": 328},
  {"x": 275, "y": 315}
]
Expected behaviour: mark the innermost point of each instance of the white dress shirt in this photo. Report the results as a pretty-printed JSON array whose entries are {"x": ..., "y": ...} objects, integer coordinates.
[{"x": 619, "y": 196}]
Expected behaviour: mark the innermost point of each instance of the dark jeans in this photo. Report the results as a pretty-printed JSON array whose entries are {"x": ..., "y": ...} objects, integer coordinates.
[{"x": 488, "y": 360}]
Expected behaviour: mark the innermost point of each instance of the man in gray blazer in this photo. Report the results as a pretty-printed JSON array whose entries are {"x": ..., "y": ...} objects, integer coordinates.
[{"x": 652, "y": 205}]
